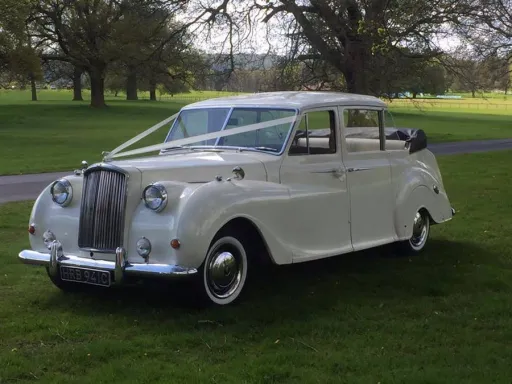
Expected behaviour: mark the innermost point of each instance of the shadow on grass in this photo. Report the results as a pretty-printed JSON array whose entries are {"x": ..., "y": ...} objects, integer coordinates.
[{"x": 301, "y": 290}]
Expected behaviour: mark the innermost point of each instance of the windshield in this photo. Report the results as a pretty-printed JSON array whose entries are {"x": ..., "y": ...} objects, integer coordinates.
[{"x": 194, "y": 122}]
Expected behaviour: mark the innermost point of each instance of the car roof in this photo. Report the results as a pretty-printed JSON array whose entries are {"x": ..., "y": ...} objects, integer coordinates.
[{"x": 291, "y": 99}]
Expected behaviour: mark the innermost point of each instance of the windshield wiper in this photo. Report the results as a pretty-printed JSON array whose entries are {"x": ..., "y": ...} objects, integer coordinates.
[
  {"x": 266, "y": 149},
  {"x": 177, "y": 147}
]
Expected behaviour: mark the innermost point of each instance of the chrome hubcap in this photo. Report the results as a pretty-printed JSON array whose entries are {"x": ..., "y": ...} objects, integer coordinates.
[
  {"x": 224, "y": 274},
  {"x": 419, "y": 230}
]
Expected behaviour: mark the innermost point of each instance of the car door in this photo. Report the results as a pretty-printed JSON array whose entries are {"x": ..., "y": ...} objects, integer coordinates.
[
  {"x": 368, "y": 177},
  {"x": 313, "y": 170}
]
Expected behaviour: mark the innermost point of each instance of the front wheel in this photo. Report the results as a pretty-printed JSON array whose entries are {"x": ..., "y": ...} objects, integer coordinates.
[{"x": 224, "y": 271}]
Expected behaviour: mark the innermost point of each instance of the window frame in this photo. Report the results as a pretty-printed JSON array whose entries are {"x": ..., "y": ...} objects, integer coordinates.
[
  {"x": 343, "y": 127},
  {"x": 304, "y": 113}
]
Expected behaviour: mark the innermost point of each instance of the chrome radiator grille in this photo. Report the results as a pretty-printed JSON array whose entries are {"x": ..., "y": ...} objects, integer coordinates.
[{"x": 102, "y": 210}]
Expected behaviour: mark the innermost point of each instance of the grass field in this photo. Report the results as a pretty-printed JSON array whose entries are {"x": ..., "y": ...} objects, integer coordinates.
[
  {"x": 57, "y": 134},
  {"x": 444, "y": 316}
]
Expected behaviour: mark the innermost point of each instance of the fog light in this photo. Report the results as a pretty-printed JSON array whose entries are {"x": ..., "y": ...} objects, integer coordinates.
[
  {"x": 143, "y": 247},
  {"x": 48, "y": 238}
]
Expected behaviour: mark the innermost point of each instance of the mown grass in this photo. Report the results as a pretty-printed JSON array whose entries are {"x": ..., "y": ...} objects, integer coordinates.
[
  {"x": 369, "y": 317},
  {"x": 56, "y": 134}
]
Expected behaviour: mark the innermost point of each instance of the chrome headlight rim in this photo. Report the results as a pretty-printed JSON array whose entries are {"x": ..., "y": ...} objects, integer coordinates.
[
  {"x": 69, "y": 191},
  {"x": 163, "y": 196}
]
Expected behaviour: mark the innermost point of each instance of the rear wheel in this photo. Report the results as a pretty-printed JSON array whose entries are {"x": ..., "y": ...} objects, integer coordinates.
[
  {"x": 224, "y": 271},
  {"x": 420, "y": 233}
]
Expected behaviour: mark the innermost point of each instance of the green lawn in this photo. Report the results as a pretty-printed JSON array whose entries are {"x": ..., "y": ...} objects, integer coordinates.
[
  {"x": 444, "y": 316},
  {"x": 57, "y": 134}
]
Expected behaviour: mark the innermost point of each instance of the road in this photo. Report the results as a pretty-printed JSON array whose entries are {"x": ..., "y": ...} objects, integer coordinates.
[{"x": 28, "y": 187}]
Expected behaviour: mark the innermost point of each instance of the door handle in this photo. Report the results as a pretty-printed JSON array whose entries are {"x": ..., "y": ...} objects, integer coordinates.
[
  {"x": 333, "y": 170},
  {"x": 357, "y": 169}
]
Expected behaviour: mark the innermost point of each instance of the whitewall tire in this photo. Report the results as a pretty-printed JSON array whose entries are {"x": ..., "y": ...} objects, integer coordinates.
[
  {"x": 224, "y": 270},
  {"x": 420, "y": 234},
  {"x": 420, "y": 231}
]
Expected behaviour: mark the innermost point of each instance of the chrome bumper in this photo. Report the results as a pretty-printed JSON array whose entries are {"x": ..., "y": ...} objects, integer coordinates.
[{"x": 121, "y": 267}]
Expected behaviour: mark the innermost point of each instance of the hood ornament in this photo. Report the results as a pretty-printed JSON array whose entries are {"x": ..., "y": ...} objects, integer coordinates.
[
  {"x": 82, "y": 169},
  {"x": 106, "y": 156}
]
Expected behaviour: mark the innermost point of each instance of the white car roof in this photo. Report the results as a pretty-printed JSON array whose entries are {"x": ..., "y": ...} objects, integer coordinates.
[{"x": 291, "y": 99}]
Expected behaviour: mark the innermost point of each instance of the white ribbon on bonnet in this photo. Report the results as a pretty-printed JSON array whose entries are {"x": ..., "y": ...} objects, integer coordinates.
[{"x": 189, "y": 140}]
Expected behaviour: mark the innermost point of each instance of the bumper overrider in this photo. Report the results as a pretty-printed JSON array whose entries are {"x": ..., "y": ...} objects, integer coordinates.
[{"x": 121, "y": 268}]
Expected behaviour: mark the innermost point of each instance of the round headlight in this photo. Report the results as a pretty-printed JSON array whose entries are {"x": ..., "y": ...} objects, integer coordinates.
[
  {"x": 155, "y": 197},
  {"x": 143, "y": 247},
  {"x": 62, "y": 192}
]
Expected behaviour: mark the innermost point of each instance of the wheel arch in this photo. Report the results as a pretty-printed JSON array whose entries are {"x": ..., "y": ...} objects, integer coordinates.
[
  {"x": 419, "y": 198},
  {"x": 250, "y": 233}
]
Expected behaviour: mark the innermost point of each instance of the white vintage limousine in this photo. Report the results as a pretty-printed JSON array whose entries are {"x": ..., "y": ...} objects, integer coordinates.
[{"x": 281, "y": 177}]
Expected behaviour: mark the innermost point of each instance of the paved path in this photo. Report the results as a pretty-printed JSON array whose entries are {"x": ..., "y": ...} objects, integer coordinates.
[
  {"x": 470, "y": 146},
  {"x": 28, "y": 187}
]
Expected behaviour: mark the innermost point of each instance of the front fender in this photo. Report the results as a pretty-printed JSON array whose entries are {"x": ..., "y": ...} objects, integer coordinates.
[
  {"x": 208, "y": 208},
  {"x": 160, "y": 227},
  {"x": 63, "y": 221}
]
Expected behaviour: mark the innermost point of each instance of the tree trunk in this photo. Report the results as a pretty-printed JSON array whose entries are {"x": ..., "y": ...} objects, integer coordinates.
[
  {"x": 473, "y": 94},
  {"x": 77, "y": 84},
  {"x": 97, "y": 88},
  {"x": 152, "y": 90},
  {"x": 356, "y": 69},
  {"x": 414, "y": 94},
  {"x": 33, "y": 87},
  {"x": 131, "y": 85}
]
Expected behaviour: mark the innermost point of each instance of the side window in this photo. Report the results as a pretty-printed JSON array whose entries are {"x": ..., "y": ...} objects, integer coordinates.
[
  {"x": 389, "y": 122},
  {"x": 395, "y": 141},
  {"x": 316, "y": 134},
  {"x": 361, "y": 129}
]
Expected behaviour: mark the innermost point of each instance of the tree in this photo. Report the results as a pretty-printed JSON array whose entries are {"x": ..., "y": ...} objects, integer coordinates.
[
  {"x": 356, "y": 37},
  {"x": 166, "y": 57},
  {"x": 55, "y": 69},
  {"x": 487, "y": 34},
  {"x": 489, "y": 28},
  {"x": 94, "y": 33},
  {"x": 19, "y": 56}
]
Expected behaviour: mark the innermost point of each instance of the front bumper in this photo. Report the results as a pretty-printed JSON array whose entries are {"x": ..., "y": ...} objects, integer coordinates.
[{"x": 121, "y": 267}]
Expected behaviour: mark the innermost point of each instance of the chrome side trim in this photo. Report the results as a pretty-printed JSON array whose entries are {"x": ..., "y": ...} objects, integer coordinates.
[
  {"x": 333, "y": 170},
  {"x": 120, "y": 267},
  {"x": 357, "y": 169}
]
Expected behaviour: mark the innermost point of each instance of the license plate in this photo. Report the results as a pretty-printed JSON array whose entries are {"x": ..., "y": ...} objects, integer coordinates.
[{"x": 87, "y": 276}]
